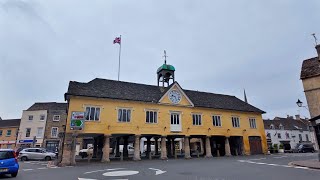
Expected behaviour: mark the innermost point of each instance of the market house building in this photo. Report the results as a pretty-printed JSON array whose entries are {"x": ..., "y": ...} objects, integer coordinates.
[
  {"x": 8, "y": 133},
  {"x": 121, "y": 113}
]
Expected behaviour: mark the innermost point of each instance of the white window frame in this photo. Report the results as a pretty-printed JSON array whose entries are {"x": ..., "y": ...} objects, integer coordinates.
[
  {"x": 57, "y": 132},
  {"x": 237, "y": 121},
  {"x": 128, "y": 116},
  {"x": 94, "y": 115},
  {"x": 198, "y": 119},
  {"x": 271, "y": 126},
  {"x": 253, "y": 123},
  {"x": 155, "y": 116},
  {"x": 176, "y": 127},
  {"x": 216, "y": 122},
  {"x": 30, "y": 117},
  {"x": 56, "y": 116},
  {"x": 9, "y": 130},
  {"x": 41, "y": 135},
  {"x": 29, "y": 132},
  {"x": 44, "y": 117},
  {"x": 281, "y": 127}
]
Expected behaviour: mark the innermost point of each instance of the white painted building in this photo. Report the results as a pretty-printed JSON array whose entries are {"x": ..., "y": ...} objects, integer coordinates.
[
  {"x": 33, "y": 123},
  {"x": 289, "y": 132}
]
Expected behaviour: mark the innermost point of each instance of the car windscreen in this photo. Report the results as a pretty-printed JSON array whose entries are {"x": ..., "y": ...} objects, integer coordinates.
[{"x": 6, "y": 155}]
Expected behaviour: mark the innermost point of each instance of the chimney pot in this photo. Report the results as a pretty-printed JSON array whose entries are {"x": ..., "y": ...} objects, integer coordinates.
[{"x": 297, "y": 117}]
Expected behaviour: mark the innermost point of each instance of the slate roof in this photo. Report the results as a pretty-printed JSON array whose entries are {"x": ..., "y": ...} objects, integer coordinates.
[
  {"x": 103, "y": 88},
  {"x": 48, "y": 106},
  {"x": 287, "y": 123},
  {"x": 310, "y": 68},
  {"x": 10, "y": 123}
]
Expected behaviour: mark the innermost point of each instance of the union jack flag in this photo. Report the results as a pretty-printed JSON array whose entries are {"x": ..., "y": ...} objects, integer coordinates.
[{"x": 117, "y": 40}]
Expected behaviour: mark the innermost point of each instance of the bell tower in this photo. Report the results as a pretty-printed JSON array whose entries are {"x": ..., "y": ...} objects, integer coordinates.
[{"x": 165, "y": 73}]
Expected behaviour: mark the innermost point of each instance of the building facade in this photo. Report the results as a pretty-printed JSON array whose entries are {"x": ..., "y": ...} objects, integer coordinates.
[
  {"x": 310, "y": 76},
  {"x": 288, "y": 131},
  {"x": 121, "y": 113},
  {"x": 41, "y": 124},
  {"x": 9, "y": 129}
]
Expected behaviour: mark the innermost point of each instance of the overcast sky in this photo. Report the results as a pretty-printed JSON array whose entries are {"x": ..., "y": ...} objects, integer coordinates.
[{"x": 216, "y": 46}]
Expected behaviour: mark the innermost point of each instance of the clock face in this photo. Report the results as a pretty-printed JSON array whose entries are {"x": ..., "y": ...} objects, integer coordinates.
[{"x": 174, "y": 96}]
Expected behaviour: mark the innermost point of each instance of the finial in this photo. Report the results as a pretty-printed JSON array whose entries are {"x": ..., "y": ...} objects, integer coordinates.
[
  {"x": 165, "y": 56},
  {"x": 245, "y": 96},
  {"x": 315, "y": 39}
]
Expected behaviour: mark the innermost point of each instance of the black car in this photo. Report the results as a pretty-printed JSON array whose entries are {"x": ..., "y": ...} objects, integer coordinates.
[{"x": 302, "y": 148}]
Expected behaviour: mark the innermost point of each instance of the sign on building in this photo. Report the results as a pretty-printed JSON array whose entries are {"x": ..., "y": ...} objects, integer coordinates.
[{"x": 77, "y": 120}]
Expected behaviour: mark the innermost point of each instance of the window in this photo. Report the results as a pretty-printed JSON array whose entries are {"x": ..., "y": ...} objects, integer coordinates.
[
  {"x": 175, "y": 118},
  {"x": 0, "y": 132},
  {"x": 235, "y": 121},
  {"x": 279, "y": 135},
  {"x": 216, "y": 121},
  {"x": 124, "y": 115},
  {"x": 252, "y": 122},
  {"x": 54, "y": 132},
  {"x": 300, "y": 137},
  {"x": 92, "y": 114},
  {"x": 39, "y": 132},
  {"x": 196, "y": 119},
  {"x": 151, "y": 117},
  {"x": 287, "y": 135},
  {"x": 42, "y": 117},
  {"x": 271, "y": 126},
  {"x": 268, "y": 135},
  {"x": 28, "y": 131},
  {"x": 281, "y": 127},
  {"x": 307, "y": 137},
  {"x": 56, "y": 117},
  {"x": 8, "y": 133},
  {"x": 30, "y": 117}
]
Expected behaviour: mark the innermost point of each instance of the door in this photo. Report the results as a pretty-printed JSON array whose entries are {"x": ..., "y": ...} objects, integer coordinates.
[
  {"x": 255, "y": 145},
  {"x": 175, "y": 122}
]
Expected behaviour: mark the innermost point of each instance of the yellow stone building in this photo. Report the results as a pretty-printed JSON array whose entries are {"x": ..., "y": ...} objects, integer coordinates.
[
  {"x": 8, "y": 133},
  {"x": 173, "y": 121}
]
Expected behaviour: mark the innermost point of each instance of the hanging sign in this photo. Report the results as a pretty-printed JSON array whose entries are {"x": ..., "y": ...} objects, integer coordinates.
[{"x": 77, "y": 120}]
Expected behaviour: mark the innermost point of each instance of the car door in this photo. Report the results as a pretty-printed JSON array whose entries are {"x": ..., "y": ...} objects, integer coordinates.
[
  {"x": 38, "y": 154},
  {"x": 30, "y": 153}
]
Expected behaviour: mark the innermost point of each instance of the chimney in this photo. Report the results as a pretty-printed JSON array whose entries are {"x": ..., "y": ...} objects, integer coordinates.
[
  {"x": 298, "y": 117},
  {"x": 318, "y": 51}
]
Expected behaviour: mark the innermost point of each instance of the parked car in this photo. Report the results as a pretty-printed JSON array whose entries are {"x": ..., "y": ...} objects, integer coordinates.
[
  {"x": 8, "y": 162},
  {"x": 130, "y": 149},
  {"x": 18, "y": 151},
  {"x": 302, "y": 148},
  {"x": 36, "y": 154},
  {"x": 84, "y": 152}
]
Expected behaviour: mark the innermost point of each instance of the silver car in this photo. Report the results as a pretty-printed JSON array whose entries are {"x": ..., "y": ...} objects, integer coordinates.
[{"x": 36, "y": 154}]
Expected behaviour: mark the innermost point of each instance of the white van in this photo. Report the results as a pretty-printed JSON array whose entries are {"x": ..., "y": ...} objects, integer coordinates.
[{"x": 130, "y": 149}]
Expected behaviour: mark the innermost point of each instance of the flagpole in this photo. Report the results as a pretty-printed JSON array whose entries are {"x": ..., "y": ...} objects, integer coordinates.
[{"x": 119, "y": 58}]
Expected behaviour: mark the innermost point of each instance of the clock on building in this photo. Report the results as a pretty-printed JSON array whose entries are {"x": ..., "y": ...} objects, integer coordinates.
[{"x": 174, "y": 96}]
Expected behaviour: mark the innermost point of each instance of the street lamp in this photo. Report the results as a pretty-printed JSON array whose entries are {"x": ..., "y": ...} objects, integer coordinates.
[{"x": 299, "y": 103}]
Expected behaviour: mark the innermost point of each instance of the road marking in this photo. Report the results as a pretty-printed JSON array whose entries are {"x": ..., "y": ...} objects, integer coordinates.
[
  {"x": 103, "y": 170},
  {"x": 42, "y": 168},
  {"x": 27, "y": 169},
  {"x": 120, "y": 173},
  {"x": 278, "y": 157},
  {"x": 257, "y": 159},
  {"x": 85, "y": 179},
  {"x": 158, "y": 171},
  {"x": 299, "y": 167}
]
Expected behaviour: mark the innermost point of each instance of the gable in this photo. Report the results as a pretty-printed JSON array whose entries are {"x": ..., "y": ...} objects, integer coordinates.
[{"x": 176, "y": 96}]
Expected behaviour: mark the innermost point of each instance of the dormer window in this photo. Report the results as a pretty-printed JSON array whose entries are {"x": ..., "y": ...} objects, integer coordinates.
[
  {"x": 281, "y": 127},
  {"x": 271, "y": 126}
]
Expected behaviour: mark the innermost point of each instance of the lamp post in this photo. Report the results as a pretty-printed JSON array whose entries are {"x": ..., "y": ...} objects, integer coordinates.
[{"x": 299, "y": 103}]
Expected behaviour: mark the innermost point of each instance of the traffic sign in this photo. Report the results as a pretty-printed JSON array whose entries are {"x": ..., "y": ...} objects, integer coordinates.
[{"x": 77, "y": 120}]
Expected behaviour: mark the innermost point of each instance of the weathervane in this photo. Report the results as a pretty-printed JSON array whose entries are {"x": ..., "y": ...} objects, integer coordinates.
[
  {"x": 315, "y": 38},
  {"x": 165, "y": 56}
]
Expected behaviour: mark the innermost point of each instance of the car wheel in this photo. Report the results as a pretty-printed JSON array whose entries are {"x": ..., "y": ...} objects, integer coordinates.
[
  {"x": 24, "y": 158},
  {"x": 47, "y": 158},
  {"x": 14, "y": 174}
]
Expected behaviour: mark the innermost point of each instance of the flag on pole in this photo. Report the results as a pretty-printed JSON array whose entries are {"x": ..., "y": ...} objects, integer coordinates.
[{"x": 117, "y": 40}]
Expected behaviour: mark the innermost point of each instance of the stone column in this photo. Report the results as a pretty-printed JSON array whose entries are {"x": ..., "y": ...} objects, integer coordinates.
[
  {"x": 156, "y": 152},
  {"x": 163, "y": 148},
  {"x": 208, "y": 147},
  {"x": 186, "y": 148},
  {"x": 201, "y": 146},
  {"x": 69, "y": 150},
  {"x": 173, "y": 148},
  {"x": 136, "y": 155},
  {"x": 118, "y": 147},
  {"x": 106, "y": 149},
  {"x": 227, "y": 147},
  {"x": 125, "y": 147}
]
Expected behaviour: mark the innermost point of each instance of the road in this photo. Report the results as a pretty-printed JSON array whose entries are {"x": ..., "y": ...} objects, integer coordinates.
[{"x": 219, "y": 168}]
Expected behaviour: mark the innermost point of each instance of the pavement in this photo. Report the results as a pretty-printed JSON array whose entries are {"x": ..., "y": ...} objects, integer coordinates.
[
  {"x": 314, "y": 164},
  {"x": 262, "y": 167}
]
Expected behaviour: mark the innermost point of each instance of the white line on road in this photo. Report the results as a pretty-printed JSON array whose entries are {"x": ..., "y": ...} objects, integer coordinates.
[
  {"x": 158, "y": 171},
  {"x": 257, "y": 159},
  {"x": 42, "y": 168},
  {"x": 27, "y": 169},
  {"x": 103, "y": 170}
]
